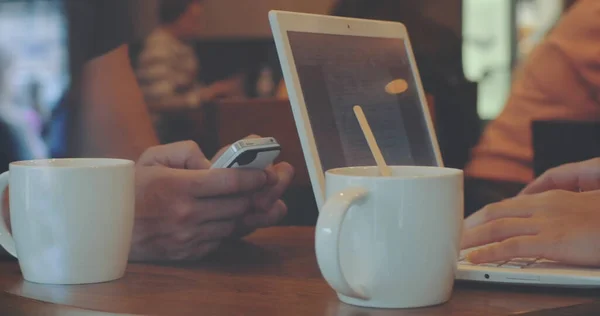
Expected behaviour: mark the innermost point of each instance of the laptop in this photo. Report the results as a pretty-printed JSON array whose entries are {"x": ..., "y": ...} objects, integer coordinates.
[{"x": 332, "y": 63}]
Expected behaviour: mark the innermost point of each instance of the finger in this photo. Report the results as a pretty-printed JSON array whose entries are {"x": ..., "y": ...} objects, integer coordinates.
[
  {"x": 185, "y": 215},
  {"x": 517, "y": 247},
  {"x": 195, "y": 252},
  {"x": 219, "y": 153},
  {"x": 580, "y": 176},
  {"x": 203, "y": 249},
  {"x": 519, "y": 207},
  {"x": 192, "y": 235},
  {"x": 182, "y": 243},
  {"x": 269, "y": 218},
  {"x": 254, "y": 221},
  {"x": 498, "y": 230},
  {"x": 265, "y": 199},
  {"x": 272, "y": 176},
  {"x": 588, "y": 182},
  {"x": 220, "y": 182},
  {"x": 182, "y": 155},
  {"x": 215, "y": 231},
  {"x": 225, "y": 208},
  {"x": 560, "y": 178}
]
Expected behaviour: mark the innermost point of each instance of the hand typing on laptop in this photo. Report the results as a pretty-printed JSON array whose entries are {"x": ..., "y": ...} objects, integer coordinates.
[{"x": 556, "y": 217}]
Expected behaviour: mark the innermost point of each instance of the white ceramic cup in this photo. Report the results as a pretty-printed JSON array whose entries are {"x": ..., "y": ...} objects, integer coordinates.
[
  {"x": 71, "y": 219},
  {"x": 391, "y": 242}
]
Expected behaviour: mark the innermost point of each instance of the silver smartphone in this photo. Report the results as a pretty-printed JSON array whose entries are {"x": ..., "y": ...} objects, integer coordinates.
[{"x": 255, "y": 153}]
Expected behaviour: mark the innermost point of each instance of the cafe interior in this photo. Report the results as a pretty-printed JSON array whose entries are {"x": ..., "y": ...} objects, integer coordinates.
[{"x": 469, "y": 54}]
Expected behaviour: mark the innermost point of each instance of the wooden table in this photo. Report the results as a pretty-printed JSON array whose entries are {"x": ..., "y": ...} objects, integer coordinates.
[{"x": 273, "y": 272}]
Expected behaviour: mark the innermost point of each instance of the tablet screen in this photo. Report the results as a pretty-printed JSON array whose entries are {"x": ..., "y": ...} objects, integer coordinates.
[{"x": 337, "y": 72}]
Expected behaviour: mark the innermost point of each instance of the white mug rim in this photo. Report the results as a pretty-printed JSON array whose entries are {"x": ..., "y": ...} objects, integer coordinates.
[
  {"x": 350, "y": 172},
  {"x": 71, "y": 163}
]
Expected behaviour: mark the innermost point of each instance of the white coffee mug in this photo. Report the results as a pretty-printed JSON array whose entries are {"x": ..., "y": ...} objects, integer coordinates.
[
  {"x": 71, "y": 219},
  {"x": 391, "y": 242}
]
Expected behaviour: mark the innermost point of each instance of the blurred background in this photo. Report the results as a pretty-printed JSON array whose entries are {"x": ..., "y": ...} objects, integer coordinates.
[
  {"x": 467, "y": 52},
  {"x": 235, "y": 37}
]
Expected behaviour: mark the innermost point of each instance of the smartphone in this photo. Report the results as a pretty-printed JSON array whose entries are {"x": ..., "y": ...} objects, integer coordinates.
[{"x": 257, "y": 153}]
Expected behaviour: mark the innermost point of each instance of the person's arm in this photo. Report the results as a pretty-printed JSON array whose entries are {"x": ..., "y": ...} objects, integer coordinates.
[
  {"x": 160, "y": 93},
  {"x": 165, "y": 99},
  {"x": 112, "y": 119},
  {"x": 158, "y": 78}
]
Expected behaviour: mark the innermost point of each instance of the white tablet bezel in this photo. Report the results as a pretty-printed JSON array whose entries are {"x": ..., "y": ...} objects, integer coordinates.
[{"x": 282, "y": 22}]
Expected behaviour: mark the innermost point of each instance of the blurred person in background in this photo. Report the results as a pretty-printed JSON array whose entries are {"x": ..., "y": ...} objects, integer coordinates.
[
  {"x": 168, "y": 66},
  {"x": 184, "y": 210},
  {"x": 8, "y": 144},
  {"x": 558, "y": 81},
  {"x": 20, "y": 137}
]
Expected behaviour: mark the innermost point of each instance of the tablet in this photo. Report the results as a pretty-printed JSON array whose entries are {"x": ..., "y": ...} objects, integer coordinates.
[{"x": 331, "y": 64}]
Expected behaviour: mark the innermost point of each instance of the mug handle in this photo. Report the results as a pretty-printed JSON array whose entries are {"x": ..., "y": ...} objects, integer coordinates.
[
  {"x": 327, "y": 238},
  {"x": 6, "y": 239}
]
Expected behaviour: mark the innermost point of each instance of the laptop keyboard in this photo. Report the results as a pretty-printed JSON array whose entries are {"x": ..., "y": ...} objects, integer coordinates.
[{"x": 516, "y": 263}]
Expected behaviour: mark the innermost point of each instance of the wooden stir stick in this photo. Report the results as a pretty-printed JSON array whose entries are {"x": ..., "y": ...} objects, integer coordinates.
[{"x": 384, "y": 169}]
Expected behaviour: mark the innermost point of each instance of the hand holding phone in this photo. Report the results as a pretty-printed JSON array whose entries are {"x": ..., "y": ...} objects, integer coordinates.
[{"x": 256, "y": 153}]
